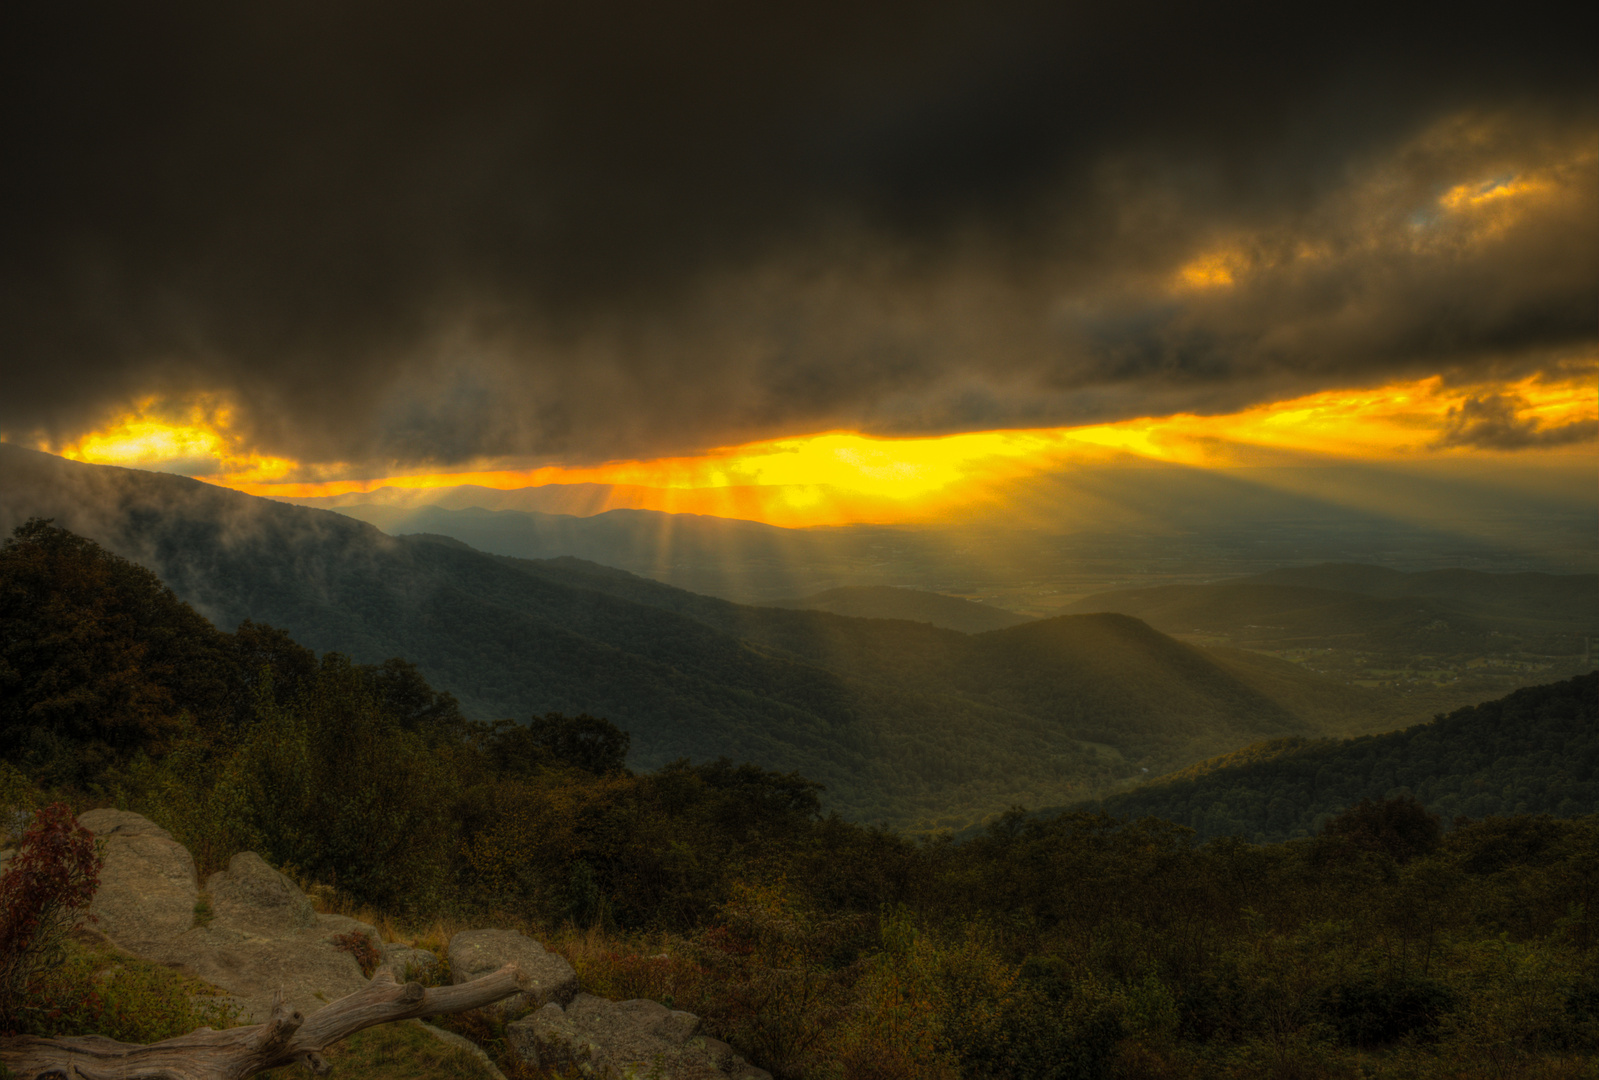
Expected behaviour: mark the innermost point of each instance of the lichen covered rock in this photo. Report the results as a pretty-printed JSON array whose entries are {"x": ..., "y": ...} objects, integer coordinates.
[
  {"x": 624, "y": 1040},
  {"x": 475, "y": 953},
  {"x": 147, "y": 885},
  {"x": 253, "y": 898}
]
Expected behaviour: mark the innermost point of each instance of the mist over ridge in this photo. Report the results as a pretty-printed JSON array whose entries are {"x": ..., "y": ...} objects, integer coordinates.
[{"x": 901, "y": 720}]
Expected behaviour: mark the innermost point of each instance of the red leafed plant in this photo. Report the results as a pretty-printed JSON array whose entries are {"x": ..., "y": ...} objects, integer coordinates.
[
  {"x": 43, "y": 894},
  {"x": 360, "y": 946}
]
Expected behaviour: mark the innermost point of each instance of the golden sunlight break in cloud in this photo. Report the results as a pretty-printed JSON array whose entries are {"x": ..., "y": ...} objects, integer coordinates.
[{"x": 842, "y": 477}]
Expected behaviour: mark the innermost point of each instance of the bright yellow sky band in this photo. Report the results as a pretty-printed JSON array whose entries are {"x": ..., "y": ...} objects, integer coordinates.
[{"x": 841, "y": 477}]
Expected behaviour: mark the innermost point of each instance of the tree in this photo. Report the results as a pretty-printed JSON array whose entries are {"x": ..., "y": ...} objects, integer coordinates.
[
  {"x": 1400, "y": 828},
  {"x": 97, "y": 656},
  {"x": 594, "y": 745}
]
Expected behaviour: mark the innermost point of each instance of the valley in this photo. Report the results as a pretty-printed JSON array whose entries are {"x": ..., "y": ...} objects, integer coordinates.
[{"x": 903, "y": 722}]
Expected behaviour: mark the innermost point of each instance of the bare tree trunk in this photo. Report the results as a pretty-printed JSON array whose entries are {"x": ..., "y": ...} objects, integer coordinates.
[{"x": 287, "y": 1038}]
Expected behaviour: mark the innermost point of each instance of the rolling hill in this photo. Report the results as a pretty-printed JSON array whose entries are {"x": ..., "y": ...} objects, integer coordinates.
[
  {"x": 1534, "y": 751},
  {"x": 912, "y": 605},
  {"x": 1551, "y": 597},
  {"x": 741, "y": 560},
  {"x": 1441, "y": 639},
  {"x": 902, "y": 721},
  {"x": 1293, "y": 614}
]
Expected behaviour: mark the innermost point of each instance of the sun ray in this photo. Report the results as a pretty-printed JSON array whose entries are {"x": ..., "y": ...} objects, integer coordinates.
[{"x": 840, "y": 477}]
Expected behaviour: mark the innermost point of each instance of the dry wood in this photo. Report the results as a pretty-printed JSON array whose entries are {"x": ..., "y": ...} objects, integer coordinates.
[{"x": 285, "y": 1039}]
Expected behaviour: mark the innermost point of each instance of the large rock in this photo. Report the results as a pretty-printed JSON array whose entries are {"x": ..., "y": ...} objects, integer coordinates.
[
  {"x": 475, "y": 953},
  {"x": 304, "y": 966},
  {"x": 251, "y": 897},
  {"x": 624, "y": 1040},
  {"x": 147, "y": 885},
  {"x": 263, "y": 935}
]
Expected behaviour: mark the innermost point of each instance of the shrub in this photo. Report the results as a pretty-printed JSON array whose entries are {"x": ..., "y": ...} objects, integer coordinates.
[
  {"x": 360, "y": 946},
  {"x": 587, "y": 742},
  {"x": 43, "y": 892},
  {"x": 17, "y": 800}
]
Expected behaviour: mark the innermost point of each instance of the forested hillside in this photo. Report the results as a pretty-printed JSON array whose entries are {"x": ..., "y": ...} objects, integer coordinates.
[
  {"x": 1533, "y": 752},
  {"x": 902, "y": 722},
  {"x": 1072, "y": 944}
]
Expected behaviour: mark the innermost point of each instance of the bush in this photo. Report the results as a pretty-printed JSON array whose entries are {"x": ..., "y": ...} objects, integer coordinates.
[
  {"x": 43, "y": 892},
  {"x": 17, "y": 801},
  {"x": 1400, "y": 828},
  {"x": 360, "y": 946},
  {"x": 587, "y": 742}
]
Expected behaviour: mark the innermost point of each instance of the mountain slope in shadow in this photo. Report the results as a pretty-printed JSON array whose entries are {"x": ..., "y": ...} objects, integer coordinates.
[
  {"x": 1535, "y": 751},
  {"x": 902, "y": 721},
  {"x": 912, "y": 605}
]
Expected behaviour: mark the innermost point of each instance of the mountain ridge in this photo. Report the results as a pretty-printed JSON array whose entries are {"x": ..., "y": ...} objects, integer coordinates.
[
  {"x": 912, "y": 605},
  {"x": 902, "y": 721},
  {"x": 1533, "y": 751}
]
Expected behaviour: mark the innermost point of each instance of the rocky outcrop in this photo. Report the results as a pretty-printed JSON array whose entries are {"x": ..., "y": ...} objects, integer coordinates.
[
  {"x": 263, "y": 935},
  {"x": 260, "y": 935},
  {"x": 147, "y": 885},
  {"x": 251, "y": 897},
  {"x": 474, "y": 953},
  {"x": 624, "y": 1040}
]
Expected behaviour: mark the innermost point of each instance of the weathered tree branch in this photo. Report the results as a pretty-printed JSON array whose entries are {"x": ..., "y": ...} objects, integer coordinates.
[{"x": 285, "y": 1039}]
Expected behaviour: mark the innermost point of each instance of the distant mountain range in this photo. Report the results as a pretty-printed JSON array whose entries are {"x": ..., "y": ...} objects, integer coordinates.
[
  {"x": 1328, "y": 599},
  {"x": 742, "y": 560},
  {"x": 904, "y": 721},
  {"x": 1061, "y": 538},
  {"x": 913, "y": 605},
  {"x": 1439, "y": 636}
]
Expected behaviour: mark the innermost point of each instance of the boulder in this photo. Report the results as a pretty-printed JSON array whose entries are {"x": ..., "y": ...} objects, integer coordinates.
[
  {"x": 624, "y": 1040},
  {"x": 147, "y": 885},
  {"x": 251, "y": 897},
  {"x": 263, "y": 936},
  {"x": 475, "y": 953},
  {"x": 302, "y": 964}
]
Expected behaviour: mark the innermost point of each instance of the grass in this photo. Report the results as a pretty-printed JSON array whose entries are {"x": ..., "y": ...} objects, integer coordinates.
[
  {"x": 402, "y": 1051},
  {"x": 96, "y": 989},
  {"x": 99, "y": 989}
]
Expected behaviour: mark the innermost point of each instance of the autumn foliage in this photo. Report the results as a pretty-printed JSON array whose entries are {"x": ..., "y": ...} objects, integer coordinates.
[
  {"x": 1069, "y": 946},
  {"x": 44, "y": 892}
]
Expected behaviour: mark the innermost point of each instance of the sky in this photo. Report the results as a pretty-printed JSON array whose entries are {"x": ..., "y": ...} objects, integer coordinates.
[{"x": 869, "y": 259}]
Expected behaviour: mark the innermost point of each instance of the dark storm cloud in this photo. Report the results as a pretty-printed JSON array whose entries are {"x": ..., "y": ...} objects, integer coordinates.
[
  {"x": 409, "y": 232},
  {"x": 1493, "y": 422}
]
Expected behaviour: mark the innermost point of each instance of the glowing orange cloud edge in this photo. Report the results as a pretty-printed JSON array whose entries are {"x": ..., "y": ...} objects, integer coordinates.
[{"x": 842, "y": 477}]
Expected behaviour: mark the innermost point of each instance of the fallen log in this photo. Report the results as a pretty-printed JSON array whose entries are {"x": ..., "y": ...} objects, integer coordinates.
[{"x": 287, "y": 1038}]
